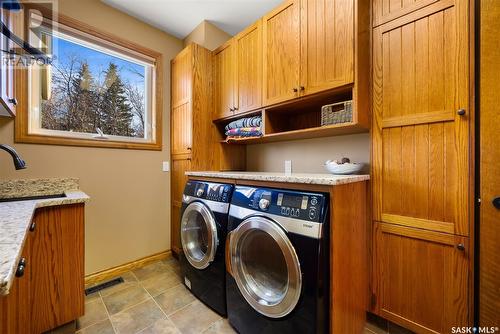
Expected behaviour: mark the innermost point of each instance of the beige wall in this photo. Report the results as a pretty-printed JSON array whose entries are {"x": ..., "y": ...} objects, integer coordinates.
[
  {"x": 308, "y": 155},
  {"x": 207, "y": 35},
  {"x": 128, "y": 216}
]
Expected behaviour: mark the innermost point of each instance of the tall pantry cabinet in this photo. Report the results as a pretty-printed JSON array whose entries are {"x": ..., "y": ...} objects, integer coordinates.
[
  {"x": 191, "y": 102},
  {"x": 195, "y": 142},
  {"x": 422, "y": 118}
]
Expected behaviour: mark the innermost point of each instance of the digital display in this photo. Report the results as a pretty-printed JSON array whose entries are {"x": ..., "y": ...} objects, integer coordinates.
[{"x": 296, "y": 202}]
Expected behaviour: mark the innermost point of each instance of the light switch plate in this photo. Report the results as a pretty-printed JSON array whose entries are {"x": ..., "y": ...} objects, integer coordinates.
[
  {"x": 288, "y": 167},
  {"x": 166, "y": 166}
]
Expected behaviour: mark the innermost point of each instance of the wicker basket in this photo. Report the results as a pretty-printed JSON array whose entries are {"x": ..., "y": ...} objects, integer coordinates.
[{"x": 336, "y": 113}]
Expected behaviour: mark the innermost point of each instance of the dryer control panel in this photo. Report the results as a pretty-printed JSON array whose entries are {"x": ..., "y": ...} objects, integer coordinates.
[
  {"x": 294, "y": 204},
  {"x": 218, "y": 192}
]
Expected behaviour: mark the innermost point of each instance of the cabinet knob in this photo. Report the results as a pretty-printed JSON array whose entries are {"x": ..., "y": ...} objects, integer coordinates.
[
  {"x": 32, "y": 226},
  {"x": 235, "y": 108},
  {"x": 21, "y": 267},
  {"x": 461, "y": 112},
  {"x": 231, "y": 109},
  {"x": 295, "y": 90},
  {"x": 461, "y": 247},
  {"x": 13, "y": 101},
  {"x": 189, "y": 148},
  {"x": 302, "y": 88},
  {"x": 496, "y": 202}
]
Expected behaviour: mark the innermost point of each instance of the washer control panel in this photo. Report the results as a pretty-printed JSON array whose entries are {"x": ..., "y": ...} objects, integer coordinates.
[
  {"x": 294, "y": 204},
  {"x": 218, "y": 192}
]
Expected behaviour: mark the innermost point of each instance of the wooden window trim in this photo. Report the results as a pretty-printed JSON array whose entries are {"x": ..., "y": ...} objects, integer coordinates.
[{"x": 21, "y": 131}]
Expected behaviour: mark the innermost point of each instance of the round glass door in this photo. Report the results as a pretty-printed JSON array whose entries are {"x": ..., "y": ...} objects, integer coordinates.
[
  {"x": 198, "y": 235},
  {"x": 266, "y": 267}
]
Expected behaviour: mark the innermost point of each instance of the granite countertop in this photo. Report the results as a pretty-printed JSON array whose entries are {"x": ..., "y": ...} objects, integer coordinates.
[
  {"x": 16, "y": 216},
  {"x": 306, "y": 178}
]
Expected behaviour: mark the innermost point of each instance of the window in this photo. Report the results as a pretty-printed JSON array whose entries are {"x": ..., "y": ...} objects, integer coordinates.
[{"x": 97, "y": 90}]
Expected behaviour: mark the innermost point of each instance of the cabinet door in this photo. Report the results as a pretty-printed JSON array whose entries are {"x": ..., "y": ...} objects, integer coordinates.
[
  {"x": 421, "y": 278},
  {"x": 178, "y": 181},
  {"x": 182, "y": 70},
  {"x": 57, "y": 277},
  {"x": 281, "y": 47},
  {"x": 224, "y": 67},
  {"x": 15, "y": 307},
  {"x": 249, "y": 68},
  {"x": 387, "y": 10},
  {"x": 7, "y": 93},
  {"x": 421, "y": 124},
  {"x": 181, "y": 130},
  {"x": 327, "y": 48}
]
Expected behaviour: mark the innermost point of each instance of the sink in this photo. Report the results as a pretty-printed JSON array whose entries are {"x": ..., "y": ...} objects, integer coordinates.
[{"x": 27, "y": 198}]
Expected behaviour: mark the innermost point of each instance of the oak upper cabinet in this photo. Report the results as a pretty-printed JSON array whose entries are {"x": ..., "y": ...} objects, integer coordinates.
[
  {"x": 387, "y": 10},
  {"x": 326, "y": 44},
  {"x": 248, "y": 56},
  {"x": 422, "y": 119},
  {"x": 281, "y": 48},
  {"x": 225, "y": 80},
  {"x": 181, "y": 116},
  {"x": 423, "y": 278}
]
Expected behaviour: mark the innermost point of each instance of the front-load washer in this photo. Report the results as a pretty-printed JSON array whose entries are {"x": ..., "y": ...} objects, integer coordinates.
[
  {"x": 277, "y": 261},
  {"x": 203, "y": 229}
]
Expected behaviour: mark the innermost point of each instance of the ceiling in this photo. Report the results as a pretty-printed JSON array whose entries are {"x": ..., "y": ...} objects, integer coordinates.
[{"x": 180, "y": 17}]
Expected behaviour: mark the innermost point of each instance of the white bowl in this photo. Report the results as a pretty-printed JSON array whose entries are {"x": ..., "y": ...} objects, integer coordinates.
[{"x": 343, "y": 169}]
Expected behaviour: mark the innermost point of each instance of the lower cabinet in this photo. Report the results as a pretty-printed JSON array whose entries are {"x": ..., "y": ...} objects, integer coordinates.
[
  {"x": 50, "y": 292},
  {"x": 57, "y": 276},
  {"x": 15, "y": 307},
  {"x": 421, "y": 278},
  {"x": 180, "y": 165}
]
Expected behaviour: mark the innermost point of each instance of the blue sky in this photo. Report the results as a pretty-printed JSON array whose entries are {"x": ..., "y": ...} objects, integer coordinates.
[{"x": 98, "y": 62}]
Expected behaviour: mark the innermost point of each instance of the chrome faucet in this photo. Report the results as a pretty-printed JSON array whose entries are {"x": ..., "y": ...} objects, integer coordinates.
[{"x": 18, "y": 162}]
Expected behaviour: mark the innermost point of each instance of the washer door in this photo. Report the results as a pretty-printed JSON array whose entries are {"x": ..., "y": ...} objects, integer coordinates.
[
  {"x": 265, "y": 266},
  {"x": 199, "y": 235}
]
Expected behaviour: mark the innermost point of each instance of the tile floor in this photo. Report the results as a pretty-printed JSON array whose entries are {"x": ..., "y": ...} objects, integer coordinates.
[{"x": 151, "y": 300}]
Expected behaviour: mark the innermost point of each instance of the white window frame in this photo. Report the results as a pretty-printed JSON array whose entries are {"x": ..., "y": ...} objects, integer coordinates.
[{"x": 98, "y": 44}]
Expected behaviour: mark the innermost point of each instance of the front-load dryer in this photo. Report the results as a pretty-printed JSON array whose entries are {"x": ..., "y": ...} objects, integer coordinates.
[
  {"x": 203, "y": 229},
  {"x": 277, "y": 261}
]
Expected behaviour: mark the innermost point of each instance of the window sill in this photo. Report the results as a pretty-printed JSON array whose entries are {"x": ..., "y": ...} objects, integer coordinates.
[{"x": 64, "y": 141}]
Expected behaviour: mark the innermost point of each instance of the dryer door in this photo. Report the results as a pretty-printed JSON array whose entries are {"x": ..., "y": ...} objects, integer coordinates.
[
  {"x": 265, "y": 266},
  {"x": 199, "y": 235}
]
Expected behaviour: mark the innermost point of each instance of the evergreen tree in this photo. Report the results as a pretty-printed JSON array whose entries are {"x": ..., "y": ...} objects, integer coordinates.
[
  {"x": 86, "y": 116},
  {"x": 116, "y": 114}
]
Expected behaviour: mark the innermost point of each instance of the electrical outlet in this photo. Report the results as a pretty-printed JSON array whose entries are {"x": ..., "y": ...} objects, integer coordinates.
[
  {"x": 288, "y": 167},
  {"x": 166, "y": 166}
]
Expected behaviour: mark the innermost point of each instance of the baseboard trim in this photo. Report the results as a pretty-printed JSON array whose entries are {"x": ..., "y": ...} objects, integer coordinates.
[{"x": 118, "y": 270}]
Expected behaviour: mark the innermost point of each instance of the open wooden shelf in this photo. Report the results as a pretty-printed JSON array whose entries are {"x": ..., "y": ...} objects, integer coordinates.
[
  {"x": 298, "y": 119},
  {"x": 316, "y": 132}
]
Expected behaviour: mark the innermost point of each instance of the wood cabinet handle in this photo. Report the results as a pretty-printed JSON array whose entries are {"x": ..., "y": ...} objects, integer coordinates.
[
  {"x": 461, "y": 112},
  {"x": 461, "y": 247},
  {"x": 21, "y": 267}
]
